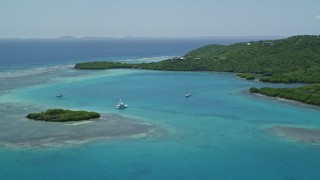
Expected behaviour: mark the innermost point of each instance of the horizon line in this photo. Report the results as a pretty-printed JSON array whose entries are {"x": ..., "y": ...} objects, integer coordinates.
[{"x": 67, "y": 37}]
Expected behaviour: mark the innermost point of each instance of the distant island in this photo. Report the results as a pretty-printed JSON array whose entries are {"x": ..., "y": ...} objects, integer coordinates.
[
  {"x": 292, "y": 60},
  {"x": 61, "y": 115}
]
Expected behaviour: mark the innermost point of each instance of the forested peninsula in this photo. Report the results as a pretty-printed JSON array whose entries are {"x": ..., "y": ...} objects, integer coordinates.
[
  {"x": 292, "y": 60},
  {"x": 309, "y": 94}
]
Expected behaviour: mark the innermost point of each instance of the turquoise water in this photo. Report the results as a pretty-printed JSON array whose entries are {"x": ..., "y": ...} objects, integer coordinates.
[{"x": 220, "y": 132}]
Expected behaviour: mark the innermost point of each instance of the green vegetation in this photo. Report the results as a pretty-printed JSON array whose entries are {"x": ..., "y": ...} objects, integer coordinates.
[
  {"x": 245, "y": 76},
  {"x": 295, "y": 59},
  {"x": 96, "y": 65},
  {"x": 254, "y": 90},
  {"x": 61, "y": 115},
  {"x": 309, "y": 94}
]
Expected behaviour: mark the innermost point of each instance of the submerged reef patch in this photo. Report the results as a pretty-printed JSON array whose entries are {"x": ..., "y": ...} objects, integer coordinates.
[{"x": 299, "y": 134}]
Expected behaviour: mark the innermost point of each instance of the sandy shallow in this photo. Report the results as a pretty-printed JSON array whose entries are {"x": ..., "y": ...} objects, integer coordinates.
[
  {"x": 18, "y": 131},
  {"x": 304, "y": 135}
]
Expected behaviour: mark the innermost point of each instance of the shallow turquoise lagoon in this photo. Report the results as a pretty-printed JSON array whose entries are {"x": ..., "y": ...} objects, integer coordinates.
[{"x": 220, "y": 132}]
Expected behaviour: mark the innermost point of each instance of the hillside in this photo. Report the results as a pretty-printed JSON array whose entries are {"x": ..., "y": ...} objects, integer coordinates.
[{"x": 295, "y": 59}]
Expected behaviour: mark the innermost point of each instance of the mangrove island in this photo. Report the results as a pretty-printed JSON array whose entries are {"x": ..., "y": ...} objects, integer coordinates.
[{"x": 61, "y": 115}]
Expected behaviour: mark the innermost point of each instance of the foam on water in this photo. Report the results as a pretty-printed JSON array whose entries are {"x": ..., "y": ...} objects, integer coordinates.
[
  {"x": 32, "y": 71},
  {"x": 79, "y": 123},
  {"x": 146, "y": 59}
]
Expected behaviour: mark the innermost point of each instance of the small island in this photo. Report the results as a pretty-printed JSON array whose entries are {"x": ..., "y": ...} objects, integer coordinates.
[{"x": 61, "y": 115}]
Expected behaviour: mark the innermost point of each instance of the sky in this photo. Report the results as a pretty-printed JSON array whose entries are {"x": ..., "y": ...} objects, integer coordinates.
[{"x": 158, "y": 18}]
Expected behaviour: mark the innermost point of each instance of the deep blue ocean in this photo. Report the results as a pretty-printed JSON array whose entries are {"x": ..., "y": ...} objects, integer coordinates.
[
  {"x": 35, "y": 52},
  {"x": 220, "y": 132}
]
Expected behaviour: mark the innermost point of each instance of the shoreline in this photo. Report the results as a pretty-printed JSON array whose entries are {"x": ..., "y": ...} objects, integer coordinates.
[
  {"x": 286, "y": 101},
  {"x": 234, "y": 73}
]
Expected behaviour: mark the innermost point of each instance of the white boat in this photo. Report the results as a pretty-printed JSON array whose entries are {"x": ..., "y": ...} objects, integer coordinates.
[
  {"x": 59, "y": 94},
  {"x": 121, "y": 105},
  {"x": 188, "y": 93}
]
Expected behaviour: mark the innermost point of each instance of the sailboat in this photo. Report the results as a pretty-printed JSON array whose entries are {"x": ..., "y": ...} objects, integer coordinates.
[
  {"x": 121, "y": 105},
  {"x": 59, "y": 94},
  {"x": 188, "y": 93}
]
